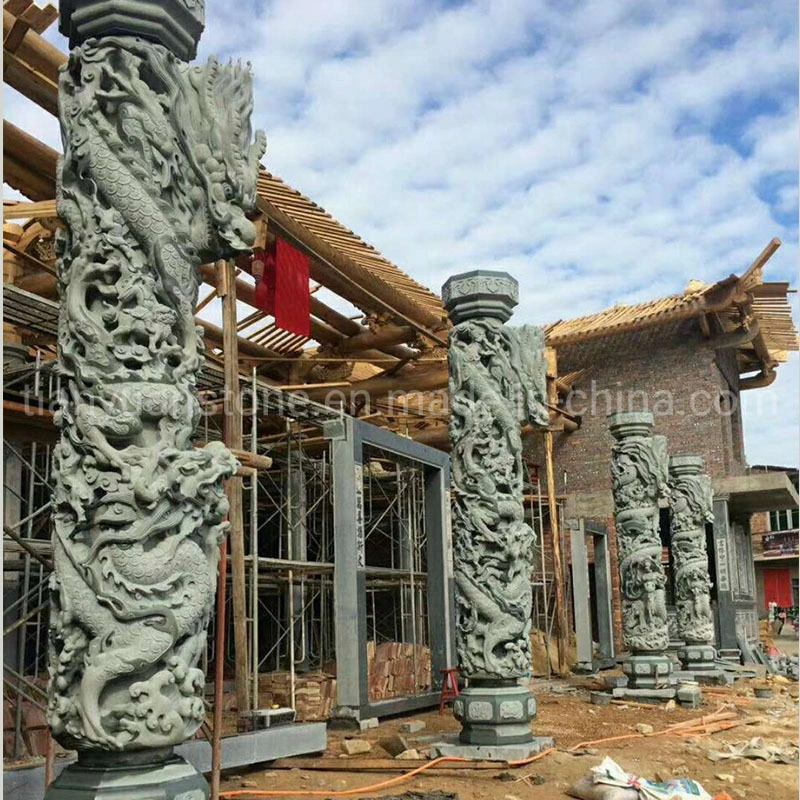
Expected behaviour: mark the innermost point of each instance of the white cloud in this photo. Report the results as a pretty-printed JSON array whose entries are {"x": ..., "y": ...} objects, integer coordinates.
[{"x": 602, "y": 151}]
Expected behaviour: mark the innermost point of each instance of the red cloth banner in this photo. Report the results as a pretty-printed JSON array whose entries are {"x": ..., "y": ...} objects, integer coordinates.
[{"x": 292, "y": 297}]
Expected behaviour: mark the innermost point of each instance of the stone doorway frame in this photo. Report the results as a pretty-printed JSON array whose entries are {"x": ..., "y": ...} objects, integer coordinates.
[{"x": 580, "y": 531}]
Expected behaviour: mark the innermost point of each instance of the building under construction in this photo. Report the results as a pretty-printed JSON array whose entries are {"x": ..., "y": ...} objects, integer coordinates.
[{"x": 336, "y": 592}]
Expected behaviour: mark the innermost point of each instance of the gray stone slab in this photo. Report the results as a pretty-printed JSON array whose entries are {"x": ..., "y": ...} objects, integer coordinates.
[
  {"x": 237, "y": 751},
  {"x": 450, "y": 746},
  {"x": 689, "y": 696},
  {"x": 656, "y": 695},
  {"x": 258, "y": 746},
  {"x": 415, "y": 726},
  {"x": 172, "y": 779},
  {"x": 616, "y": 681},
  {"x": 708, "y": 677}
]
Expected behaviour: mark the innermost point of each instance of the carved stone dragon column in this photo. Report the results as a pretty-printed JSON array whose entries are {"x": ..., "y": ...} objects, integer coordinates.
[
  {"x": 691, "y": 507},
  {"x": 157, "y": 174},
  {"x": 639, "y": 474},
  {"x": 497, "y": 383}
]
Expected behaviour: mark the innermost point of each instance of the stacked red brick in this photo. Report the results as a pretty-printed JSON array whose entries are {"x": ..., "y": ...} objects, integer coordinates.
[
  {"x": 34, "y": 730},
  {"x": 315, "y": 693},
  {"x": 392, "y": 668}
]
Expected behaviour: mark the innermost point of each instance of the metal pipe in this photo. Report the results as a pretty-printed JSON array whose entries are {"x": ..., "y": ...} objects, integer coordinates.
[
  {"x": 290, "y": 550},
  {"x": 30, "y": 516},
  {"x": 26, "y": 579},
  {"x": 254, "y": 541},
  {"x": 29, "y": 550},
  {"x": 412, "y": 546},
  {"x": 22, "y": 620},
  {"x": 219, "y": 671}
]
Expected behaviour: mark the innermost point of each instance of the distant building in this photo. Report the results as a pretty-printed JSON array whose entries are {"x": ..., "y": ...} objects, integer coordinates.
[
  {"x": 775, "y": 550},
  {"x": 686, "y": 358}
]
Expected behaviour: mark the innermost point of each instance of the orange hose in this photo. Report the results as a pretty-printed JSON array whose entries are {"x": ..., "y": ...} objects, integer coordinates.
[
  {"x": 383, "y": 785},
  {"x": 344, "y": 792},
  {"x": 608, "y": 739},
  {"x": 530, "y": 760},
  {"x": 678, "y": 729}
]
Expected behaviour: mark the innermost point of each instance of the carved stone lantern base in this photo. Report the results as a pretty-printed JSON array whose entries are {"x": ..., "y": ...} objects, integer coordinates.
[
  {"x": 129, "y": 776},
  {"x": 496, "y": 718},
  {"x": 698, "y": 657},
  {"x": 495, "y": 712},
  {"x": 647, "y": 670}
]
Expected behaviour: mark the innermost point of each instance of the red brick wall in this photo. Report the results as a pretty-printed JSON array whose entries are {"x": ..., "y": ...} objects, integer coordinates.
[
  {"x": 660, "y": 370},
  {"x": 759, "y": 523}
]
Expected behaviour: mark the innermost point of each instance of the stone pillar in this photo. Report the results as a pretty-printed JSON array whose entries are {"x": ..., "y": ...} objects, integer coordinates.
[
  {"x": 157, "y": 174},
  {"x": 497, "y": 383},
  {"x": 639, "y": 475},
  {"x": 691, "y": 507}
]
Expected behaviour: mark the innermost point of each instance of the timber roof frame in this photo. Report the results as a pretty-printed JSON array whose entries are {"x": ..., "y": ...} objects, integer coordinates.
[{"x": 404, "y": 341}]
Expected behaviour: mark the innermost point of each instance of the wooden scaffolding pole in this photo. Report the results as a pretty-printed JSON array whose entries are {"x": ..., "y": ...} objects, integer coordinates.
[
  {"x": 562, "y": 626},
  {"x": 558, "y": 569},
  {"x": 232, "y": 436},
  {"x": 219, "y": 673}
]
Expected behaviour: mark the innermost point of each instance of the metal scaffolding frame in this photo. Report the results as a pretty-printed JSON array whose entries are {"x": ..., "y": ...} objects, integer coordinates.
[
  {"x": 26, "y": 549},
  {"x": 289, "y": 521}
]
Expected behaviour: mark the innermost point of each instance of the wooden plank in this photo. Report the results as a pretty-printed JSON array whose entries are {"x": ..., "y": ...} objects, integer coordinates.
[
  {"x": 32, "y": 184},
  {"x": 332, "y": 269},
  {"x": 43, "y": 209},
  {"x": 45, "y": 17},
  {"x": 14, "y": 37},
  {"x": 17, "y": 7},
  {"x": 380, "y": 765},
  {"x": 35, "y": 86}
]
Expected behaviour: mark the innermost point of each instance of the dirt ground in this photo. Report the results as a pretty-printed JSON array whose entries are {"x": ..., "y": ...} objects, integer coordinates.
[{"x": 570, "y": 719}]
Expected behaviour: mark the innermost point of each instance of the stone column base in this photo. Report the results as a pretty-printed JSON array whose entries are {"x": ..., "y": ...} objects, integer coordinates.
[
  {"x": 647, "y": 670},
  {"x": 495, "y": 713},
  {"x": 129, "y": 776},
  {"x": 450, "y": 746},
  {"x": 697, "y": 657}
]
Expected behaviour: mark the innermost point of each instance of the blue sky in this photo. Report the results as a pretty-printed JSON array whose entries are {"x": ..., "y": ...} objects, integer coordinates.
[{"x": 601, "y": 152}]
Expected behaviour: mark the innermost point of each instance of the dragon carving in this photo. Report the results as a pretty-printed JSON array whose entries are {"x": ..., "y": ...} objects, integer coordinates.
[
  {"x": 691, "y": 507},
  {"x": 639, "y": 476},
  {"x": 497, "y": 382},
  {"x": 158, "y": 172}
]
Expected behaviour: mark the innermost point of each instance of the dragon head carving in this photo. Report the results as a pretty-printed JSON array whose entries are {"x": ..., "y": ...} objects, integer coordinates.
[{"x": 223, "y": 156}]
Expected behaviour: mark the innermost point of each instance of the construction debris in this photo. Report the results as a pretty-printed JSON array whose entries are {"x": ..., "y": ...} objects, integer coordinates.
[
  {"x": 755, "y": 748},
  {"x": 409, "y": 755},
  {"x": 394, "y": 745},
  {"x": 415, "y": 726},
  {"x": 356, "y": 747}
]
